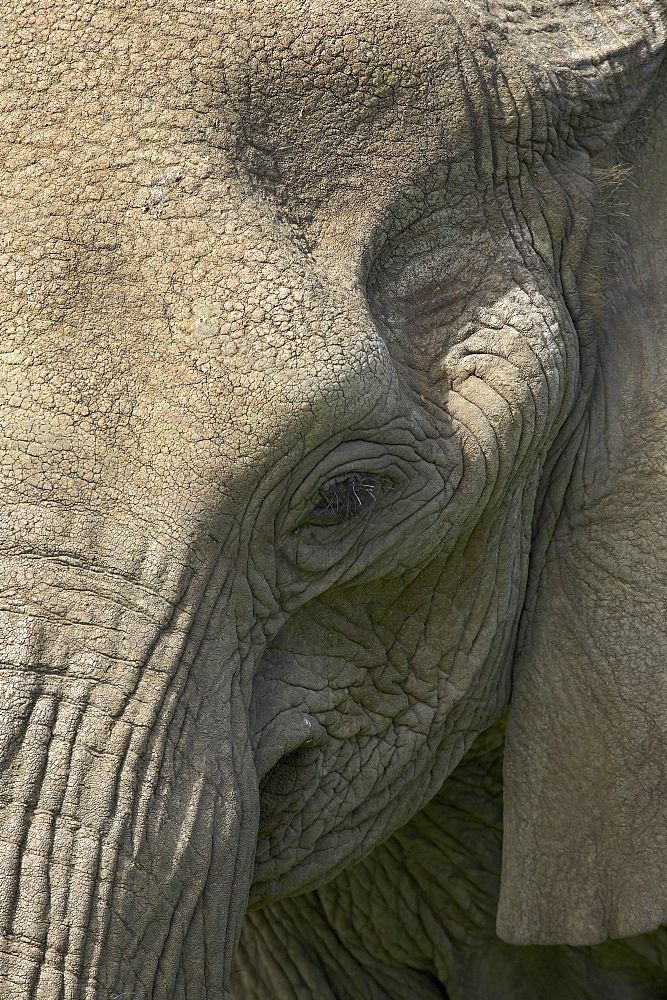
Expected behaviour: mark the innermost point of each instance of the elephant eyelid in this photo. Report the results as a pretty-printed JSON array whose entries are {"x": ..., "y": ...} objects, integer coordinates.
[{"x": 344, "y": 499}]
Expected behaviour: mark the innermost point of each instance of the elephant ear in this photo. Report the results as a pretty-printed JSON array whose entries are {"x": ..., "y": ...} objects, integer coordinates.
[
  {"x": 591, "y": 59},
  {"x": 585, "y": 841}
]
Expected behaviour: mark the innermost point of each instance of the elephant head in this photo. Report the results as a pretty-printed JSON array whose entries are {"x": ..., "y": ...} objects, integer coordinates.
[{"x": 317, "y": 394}]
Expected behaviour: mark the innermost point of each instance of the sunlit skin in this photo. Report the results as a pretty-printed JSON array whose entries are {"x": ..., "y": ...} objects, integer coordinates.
[{"x": 333, "y": 422}]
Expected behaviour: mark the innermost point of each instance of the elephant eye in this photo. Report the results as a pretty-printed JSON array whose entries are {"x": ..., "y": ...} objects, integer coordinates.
[{"x": 343, "y": 499}]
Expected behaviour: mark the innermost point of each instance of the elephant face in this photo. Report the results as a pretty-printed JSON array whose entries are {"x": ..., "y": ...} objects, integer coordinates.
[
  {"x": 298, "y": 342},
  {"x": 395, "y": 647},
  {"x": 397, "y": 641}
]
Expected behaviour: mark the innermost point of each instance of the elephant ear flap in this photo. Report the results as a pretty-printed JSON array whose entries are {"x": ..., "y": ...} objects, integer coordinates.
[
  {"x": 585, "y": 842},
  {"x": 591, "y": 60}
]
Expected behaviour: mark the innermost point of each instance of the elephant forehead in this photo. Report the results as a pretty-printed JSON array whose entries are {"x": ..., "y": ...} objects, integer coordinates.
[
  {"x": 331, "y": 110},
  {"x": 335, "y": 81},
  {"x": 298, "y": 91},
  {"x": 136, "y": 137},
  {"x": 138, "y": 266}
]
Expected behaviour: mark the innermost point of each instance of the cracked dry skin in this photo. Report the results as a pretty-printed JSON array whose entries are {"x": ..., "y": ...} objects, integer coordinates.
[{"x": 332, "y": 417}]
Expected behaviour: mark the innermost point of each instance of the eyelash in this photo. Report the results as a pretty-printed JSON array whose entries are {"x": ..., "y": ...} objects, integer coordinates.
[{"x": 345, "y": 499}]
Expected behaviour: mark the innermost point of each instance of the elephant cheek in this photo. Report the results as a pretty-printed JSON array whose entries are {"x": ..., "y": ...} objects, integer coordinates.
[{"x": 129, "y": 815}]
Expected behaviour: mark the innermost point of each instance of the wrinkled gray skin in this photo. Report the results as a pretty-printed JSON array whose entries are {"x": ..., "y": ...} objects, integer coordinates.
[{"x": 333, "y": 413}]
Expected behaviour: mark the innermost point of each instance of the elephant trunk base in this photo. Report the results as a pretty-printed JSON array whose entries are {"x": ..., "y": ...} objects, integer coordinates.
[{"x": 129, "y": 815}]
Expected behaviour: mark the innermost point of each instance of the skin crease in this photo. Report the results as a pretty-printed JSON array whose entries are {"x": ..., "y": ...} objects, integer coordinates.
[
  {"x": 419, "y": 912},
  {"x": 311, "y": 325}
]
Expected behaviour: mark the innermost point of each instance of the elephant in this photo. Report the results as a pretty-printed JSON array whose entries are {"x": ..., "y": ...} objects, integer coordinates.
[{"x": 333, "y": 500}]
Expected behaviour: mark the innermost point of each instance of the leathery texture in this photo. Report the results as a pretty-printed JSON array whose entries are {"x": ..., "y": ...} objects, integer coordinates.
[{"x": 294, "y": 337}]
